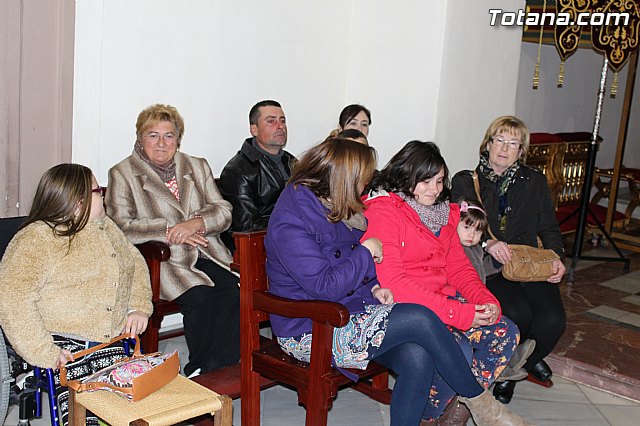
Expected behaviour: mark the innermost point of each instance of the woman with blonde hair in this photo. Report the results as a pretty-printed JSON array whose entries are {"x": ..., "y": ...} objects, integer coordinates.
[
  {"x": 314, "y": 253},
  {"x": 520, "y": 210},
  {"x": 159, "y": 193}
]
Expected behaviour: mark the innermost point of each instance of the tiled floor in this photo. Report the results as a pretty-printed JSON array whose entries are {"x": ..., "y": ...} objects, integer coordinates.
[
  {"x": 601, "y": 347},
  {"x": 566, "y": 403}
]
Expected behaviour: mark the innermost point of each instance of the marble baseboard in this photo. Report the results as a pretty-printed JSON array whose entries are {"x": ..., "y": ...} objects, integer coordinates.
[
  {"x": 601, "y": 343},
  {"x": 595, "y": 377}
]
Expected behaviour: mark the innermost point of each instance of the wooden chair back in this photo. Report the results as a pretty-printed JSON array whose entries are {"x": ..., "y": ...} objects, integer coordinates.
[
  {"x": 156, "y": 252},
  {"x": 317, "y": 383}
]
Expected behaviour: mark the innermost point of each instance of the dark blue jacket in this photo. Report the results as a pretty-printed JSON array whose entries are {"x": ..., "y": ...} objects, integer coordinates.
[{"x": 309, "y": 258}]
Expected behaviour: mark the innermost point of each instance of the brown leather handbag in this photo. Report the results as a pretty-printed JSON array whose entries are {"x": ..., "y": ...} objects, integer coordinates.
[
  {"x": 134, "y": 377},
  {"x": 527, "y": 264}
]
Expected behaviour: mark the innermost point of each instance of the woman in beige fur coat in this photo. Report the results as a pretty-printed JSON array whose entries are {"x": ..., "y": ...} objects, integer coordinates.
[
  {"x": 158, "y": 193},
  {"x": 70, "y": 279}
]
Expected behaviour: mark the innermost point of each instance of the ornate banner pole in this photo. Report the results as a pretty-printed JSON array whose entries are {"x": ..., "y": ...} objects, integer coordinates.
[{"x": 588, "y": 178}]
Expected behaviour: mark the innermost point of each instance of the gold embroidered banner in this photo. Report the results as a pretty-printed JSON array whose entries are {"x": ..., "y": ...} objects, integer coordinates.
[
  {"x": 610, "y": 27},
  {"x": 617, "y": 41},
  {"x": 567, "y": 37}
]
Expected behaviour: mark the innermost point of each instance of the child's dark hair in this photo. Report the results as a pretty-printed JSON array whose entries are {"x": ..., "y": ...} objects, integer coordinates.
[{"x": 472, "y": 213}]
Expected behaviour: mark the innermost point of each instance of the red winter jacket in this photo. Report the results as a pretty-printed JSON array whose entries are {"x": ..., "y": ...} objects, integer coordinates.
[{"x": 422, "y": 268}]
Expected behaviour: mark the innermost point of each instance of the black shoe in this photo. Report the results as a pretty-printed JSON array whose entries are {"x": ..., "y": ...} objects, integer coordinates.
[
  {"x": 503, "y": 391},
  {"x": 542, "y": 371}
]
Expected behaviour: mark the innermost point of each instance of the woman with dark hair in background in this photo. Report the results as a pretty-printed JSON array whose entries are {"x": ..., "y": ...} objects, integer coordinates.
[
  {"x": 58, "y": 276},
  {"x": 314, "y": 253},
  {"x": 353, "y": 117}
]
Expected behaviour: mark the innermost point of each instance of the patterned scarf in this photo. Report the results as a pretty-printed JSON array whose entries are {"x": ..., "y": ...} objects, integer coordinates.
[
  {"x": 433, "y": 217},
  {"x": 166, "y": 173},
  {"x": 502, "y": 183},
  {"x": 357, "y": 221}
]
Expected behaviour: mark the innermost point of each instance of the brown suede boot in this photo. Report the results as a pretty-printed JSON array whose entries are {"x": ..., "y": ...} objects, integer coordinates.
[
  {"x": 455, "y": 414},
  {"x": 487, "y": 411}
]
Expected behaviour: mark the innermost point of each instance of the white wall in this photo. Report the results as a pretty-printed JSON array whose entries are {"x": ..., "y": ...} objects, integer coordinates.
[
  {"x": 395, "y": 60},
  {"x": 572, "y": 107},
  {"x": 427, "y": 70},
  {"x": 213, "y": 60},
  {"x": 479, "y": 77}
]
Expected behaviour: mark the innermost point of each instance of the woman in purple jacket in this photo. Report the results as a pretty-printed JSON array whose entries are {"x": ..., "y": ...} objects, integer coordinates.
[{"x": 314, "y": 253}]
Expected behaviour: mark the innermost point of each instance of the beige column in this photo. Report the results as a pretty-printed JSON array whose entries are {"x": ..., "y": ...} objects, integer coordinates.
[{"x": 36, "y": 95}]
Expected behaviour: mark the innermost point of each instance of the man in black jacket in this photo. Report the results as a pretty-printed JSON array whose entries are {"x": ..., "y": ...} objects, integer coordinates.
[{"x": 253, "y": 179}]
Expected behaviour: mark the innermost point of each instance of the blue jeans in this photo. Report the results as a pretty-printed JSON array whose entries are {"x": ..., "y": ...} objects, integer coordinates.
[{"x": 416, "y": 346}]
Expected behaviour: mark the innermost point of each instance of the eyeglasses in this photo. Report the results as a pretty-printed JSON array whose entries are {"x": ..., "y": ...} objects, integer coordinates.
[
  {"x": 500, "y": 142},
  {"x": 100, "y": 190}
]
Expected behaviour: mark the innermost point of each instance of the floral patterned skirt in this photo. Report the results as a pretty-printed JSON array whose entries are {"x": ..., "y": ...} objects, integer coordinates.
[
  {"x": 353, "y": 345},
  {"x": 488, "y": 349}
]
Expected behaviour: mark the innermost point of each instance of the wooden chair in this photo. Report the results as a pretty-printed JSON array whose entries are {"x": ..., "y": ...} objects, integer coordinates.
[
  {"x": 630, "y": 176},
  {"x": 317, "y": 383},
  {"x": 156, "y": 252}
]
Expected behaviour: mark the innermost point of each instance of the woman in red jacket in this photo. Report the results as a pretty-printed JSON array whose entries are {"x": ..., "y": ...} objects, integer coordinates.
[{"x": 424, "y": 262}]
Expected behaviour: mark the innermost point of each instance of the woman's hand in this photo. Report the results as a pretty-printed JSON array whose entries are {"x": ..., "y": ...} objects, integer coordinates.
[
  {"x": 558, "y": 272},
  {"x": 375, "y": 247},
  {"x": 384, "y": 295},
  {"x": 63, "y": 357},
  {"x": 136, "y": 323},
  {"x": 499, "y": 250},
  {"x": 495, "y": 312},
  {"x": 483, "y": 316},
  {"x": 187, "y": 233}
]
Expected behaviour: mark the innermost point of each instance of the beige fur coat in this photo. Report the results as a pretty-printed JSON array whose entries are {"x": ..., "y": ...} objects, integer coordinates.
[
  {"x": 143, "y": 207},
  {"x": 84, "y": 290}
]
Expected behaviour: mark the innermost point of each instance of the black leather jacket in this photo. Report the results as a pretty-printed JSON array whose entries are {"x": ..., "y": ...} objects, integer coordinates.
[
  {"x": 252, "y": 183},
  {"x": 532, "y": 212}
]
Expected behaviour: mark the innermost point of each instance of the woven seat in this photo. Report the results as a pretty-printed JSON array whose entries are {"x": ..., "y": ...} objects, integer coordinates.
[{"x": 180, "y": 400}]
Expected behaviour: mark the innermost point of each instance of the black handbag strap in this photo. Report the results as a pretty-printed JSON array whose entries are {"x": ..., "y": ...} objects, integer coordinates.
[{"x": 476, "y": 186}]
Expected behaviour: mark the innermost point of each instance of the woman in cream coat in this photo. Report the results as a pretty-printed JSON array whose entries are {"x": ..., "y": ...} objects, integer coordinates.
[
  {"x": 70, "y": 279},
  {"x": 158, "y": 193}
]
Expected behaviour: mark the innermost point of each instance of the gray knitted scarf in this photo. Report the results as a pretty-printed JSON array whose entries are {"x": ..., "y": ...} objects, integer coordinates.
[{"x": 433, "y": 217}]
